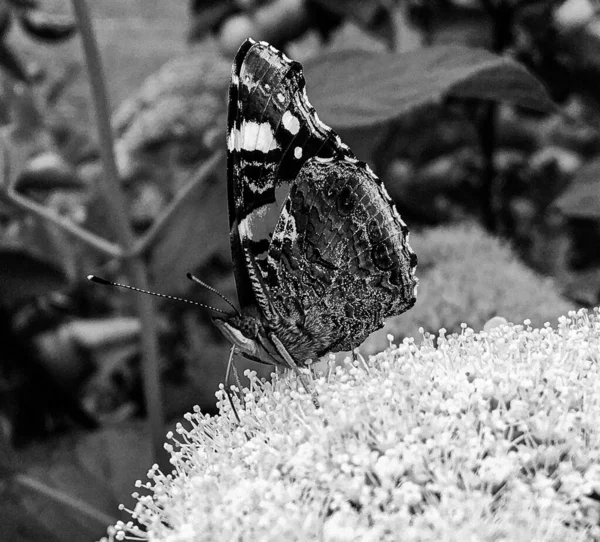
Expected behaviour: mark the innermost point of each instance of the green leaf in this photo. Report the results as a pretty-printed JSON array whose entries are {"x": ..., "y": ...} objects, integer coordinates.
[
  {"x": 5, "y": 20},
  {"x": 24, "y": 276},
  {"x": 81, "y": 478},
  {"x": 48, "y": 27},
  {"x": 194, "y": 235},
  {"x": 362, "y": 11},
  {"x": 375, "y": 16},
  {"x": 581, "y": 199},
  {"x": 353, "y": 89},
  {"x": 12, "y": 64},
  {"x": 48, "y": 171},
  {"x": 206, "y": 17}
]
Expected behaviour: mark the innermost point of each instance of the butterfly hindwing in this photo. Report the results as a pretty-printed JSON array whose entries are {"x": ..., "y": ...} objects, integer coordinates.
[{"x": 339, "y": 262}]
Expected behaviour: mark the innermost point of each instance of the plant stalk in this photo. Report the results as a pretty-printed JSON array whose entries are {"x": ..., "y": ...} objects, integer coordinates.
[
  {"x": 56, "y": 495},
  {"x": 487, "y": 142},
  {"x": 135, "y": 266},
  {"x": 501, "y": 14},
  {"x": 30, "y": 206}
]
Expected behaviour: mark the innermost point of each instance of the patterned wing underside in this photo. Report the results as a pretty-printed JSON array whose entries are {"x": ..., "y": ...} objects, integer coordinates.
[
  {"x": 339, "y": 258},
  {"x": 272, "y": 132},
  {"x": 317, "y": 244}
]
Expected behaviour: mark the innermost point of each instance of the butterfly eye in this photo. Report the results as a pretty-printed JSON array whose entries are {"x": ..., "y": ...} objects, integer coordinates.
[{"x": 248, "y": 327}]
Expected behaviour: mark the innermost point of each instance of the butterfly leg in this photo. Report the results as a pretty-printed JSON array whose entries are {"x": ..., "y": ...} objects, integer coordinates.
[
  {"x": 236, "y": 377},
  {"x": 306, "y": 383},
  {"x": 231, "y": 368},
  {"x": 227, "y": 392}
]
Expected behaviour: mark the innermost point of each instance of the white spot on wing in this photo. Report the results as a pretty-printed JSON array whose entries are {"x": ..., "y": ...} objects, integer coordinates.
[
  {"x": 280, "y": 97},
  {"x": 244, "y": 228},
  {"x": 298, "y": 152},
  {"x": 232, "y": 139},
  {"x": 256, "y": 136},
  {"x": 290, "y": 123}
]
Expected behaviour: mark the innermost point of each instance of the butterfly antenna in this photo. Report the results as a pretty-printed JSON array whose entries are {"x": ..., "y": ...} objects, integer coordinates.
[
  {"x": 105, "y": 282},
  {"x": 195, "y": 279}
]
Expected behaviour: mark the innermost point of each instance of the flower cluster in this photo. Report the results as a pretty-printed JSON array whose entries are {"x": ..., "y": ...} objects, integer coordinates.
[{"x": 489, "y": 435}]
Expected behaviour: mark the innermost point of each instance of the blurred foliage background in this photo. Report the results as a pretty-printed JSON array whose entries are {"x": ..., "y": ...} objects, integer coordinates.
[{"x": 502, "y": 198}]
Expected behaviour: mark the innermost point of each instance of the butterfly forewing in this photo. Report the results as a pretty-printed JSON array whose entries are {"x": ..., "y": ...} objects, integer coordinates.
[{"x": 272, "y": 131}]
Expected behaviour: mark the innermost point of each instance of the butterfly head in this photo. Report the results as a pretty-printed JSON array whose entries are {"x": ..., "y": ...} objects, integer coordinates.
[{"x": 244, "y": 331}]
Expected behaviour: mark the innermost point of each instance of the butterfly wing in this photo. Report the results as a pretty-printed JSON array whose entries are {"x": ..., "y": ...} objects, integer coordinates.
[
  {"x": 318, "y": 246},
  {"x": 339, "y": 261},
  {"x": 272, "y": 131}
]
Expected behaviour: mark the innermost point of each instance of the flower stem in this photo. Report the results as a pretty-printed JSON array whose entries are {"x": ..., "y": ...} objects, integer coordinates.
[
  {"x": 135, "y": 266},
  {"x": 59, "y": 496}
]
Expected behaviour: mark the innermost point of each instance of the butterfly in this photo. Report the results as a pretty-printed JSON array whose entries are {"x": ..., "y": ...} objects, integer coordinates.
[{"x": 320, "y": 254}]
